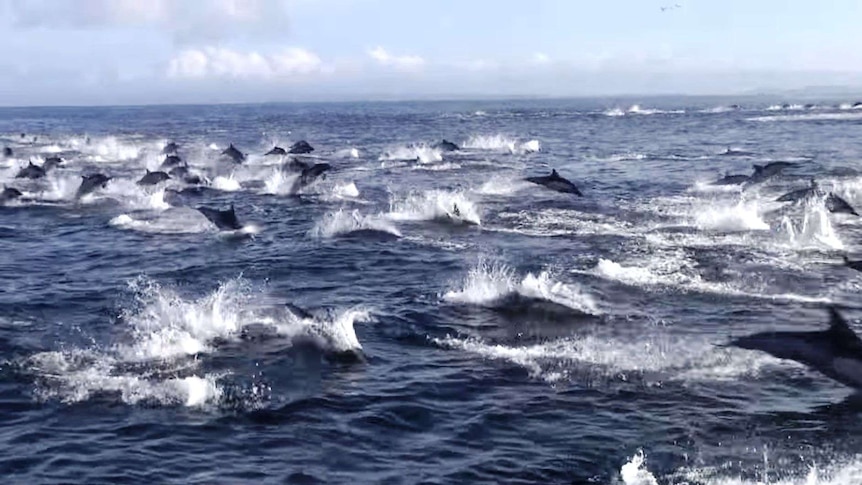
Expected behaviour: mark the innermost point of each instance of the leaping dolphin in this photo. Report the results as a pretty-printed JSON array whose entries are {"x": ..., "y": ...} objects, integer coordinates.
[
  {"x": 234, "y": 154},
  {"x": 90, "y": 183},
  {"x": 153, "y": 178},
  {"x": 223, "y": 219},
  {"x": 835, "y": 352},
  {"x": 310, "y": 174},
  {"x": 301, "y": 147},
  {"x": 31, "y": 172},
  {"x": 763, "y": 172},
  {"x": 857, "y": 264},
  {"x": 171, "y": 148},
  {"x": 729, "y": 179},
  {"x": 276, "y": 151},
  {"x": 446, "y": 146},
  {"x": 183, "y": 173},
  {"x": 9, "y": 193},
  {"x": 52, "y": 162},
  {"x": 837, "y": 205},
  {"x": 801, "y": 194},
  {"x": 555, "y": 182},
  {"x": 171, "y": 161}
]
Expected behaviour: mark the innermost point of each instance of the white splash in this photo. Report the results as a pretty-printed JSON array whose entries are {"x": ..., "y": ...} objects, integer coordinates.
[
  {"x": 743, "y": 216},
  {"x": 342, "y": 222},
  {"x": 500, "y": 143},
  {"x": 435, "y": 205},
  {"x": 815, "y": 231},
  {"x": 420, "y": 152},
  {"x": 634, "y": 472},
  {"x": 491, "y": 284},
  {"x": 226, "y": 184}
]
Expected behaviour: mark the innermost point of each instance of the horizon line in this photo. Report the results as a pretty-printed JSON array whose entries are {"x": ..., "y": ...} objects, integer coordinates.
[{"x": 373, "y": 99}]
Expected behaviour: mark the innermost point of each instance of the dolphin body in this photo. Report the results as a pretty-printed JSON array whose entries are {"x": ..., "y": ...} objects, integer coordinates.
[
  {"x": 171, "y": 161},
  {"x": 183, "y": 173},
  {"x": 9, "y": 193},
  {"x": 310, "y": 174},
  {"x": 7, "y": 152},
  {"x": 301, "y": 147},
  {"x": 52, "y": 162},
  {"x": 446, "y": 146},
  {"x": 294, "y": 165},
  {"x": 801, "y": 194},
  {"x": 234, "y": 154},
  {"x": 153, "y": 178},
  {"x": 89, "y": 183},
  {"x": 763, "y": 172},
  {"x": 171, "y": 148},
  {"x": 557, "y": 183},
  {"x": 223, "y": 219},
  {"x": 837, "y": 205},
  {"x": 857, "y": 264},
  {"x": 731, "y": 180},
  {"x": 275, "y": 151},
  {"x": 835, "y": 352},
  {"x": 834, "y": 203},
  {"x": 31, "y": 172}
]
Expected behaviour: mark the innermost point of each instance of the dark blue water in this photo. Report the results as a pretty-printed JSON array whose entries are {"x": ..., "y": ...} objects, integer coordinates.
[{"x": 528, "y": 337}]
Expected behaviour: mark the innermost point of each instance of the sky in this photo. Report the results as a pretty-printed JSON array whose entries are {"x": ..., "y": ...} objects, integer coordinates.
[{"x": 103, "y": 52}]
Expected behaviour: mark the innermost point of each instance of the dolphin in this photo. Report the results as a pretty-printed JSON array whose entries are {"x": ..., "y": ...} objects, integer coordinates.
[
  {"x": 153, "y": 178},
  {"x": 555, "y": 182},
  {"x": 857, "y": 104},
  {"x": 223, "y": 219},
  {"x": 9, "y": 193},
  {"x": 446, "y": 146},
  {"x": 7, "y": 152},
  {"x": 855, "y": 264},
  {"x": 763, "y": 172},
  {"x": 31, "y": 172},
  {"x": 800, "y": 194},
  {"x": 276, "y": 151},
  {"x": 730, "y": 180},
  {"x": 171, "y": 148},
  {"x": 89, "y": 183},
  {"x": 299, "y": 311},
  {"x": 171, "y": 161},
  {"x": 234, "y": 154},
  {"x": 300, "y": 148},
  {"x": 835, "y": 352},
  {"x": 183, "y": 173},
  {"x": 311, "y": 174},
  {"x": 52, "y": 162},
  {"x": 837, "y": 205},
  {"x": 295, "y": 165}
]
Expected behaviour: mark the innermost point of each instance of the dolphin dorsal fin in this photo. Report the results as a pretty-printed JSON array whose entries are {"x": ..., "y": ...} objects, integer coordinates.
[
  {"x": 231, "y": 209},
  {"x": 757, "y": 168},
  {"x": 841, "y": 331},
  {"x": 554, "y": 173}
]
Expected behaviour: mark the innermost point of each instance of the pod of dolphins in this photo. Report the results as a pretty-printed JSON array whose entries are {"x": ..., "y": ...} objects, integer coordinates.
[{"x": 835, "y": 352}]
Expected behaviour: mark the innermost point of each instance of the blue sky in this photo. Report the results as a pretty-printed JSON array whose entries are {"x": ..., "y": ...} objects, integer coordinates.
[{"x": 163, "y": 51}]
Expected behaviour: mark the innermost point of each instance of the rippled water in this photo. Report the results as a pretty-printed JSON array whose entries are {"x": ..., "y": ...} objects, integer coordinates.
[{"x": 530, "y": 336}]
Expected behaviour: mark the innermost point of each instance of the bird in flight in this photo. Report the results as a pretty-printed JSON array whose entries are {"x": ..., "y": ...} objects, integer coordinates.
[{"x": 670, "y": 7}]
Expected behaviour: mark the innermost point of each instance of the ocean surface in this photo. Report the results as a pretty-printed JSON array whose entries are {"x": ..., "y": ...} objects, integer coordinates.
[{"x": 362, "y": 330}]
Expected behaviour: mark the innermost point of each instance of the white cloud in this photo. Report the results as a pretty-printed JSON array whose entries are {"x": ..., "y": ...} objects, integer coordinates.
[
  {"x": 185, "y": 19},
  {"x": 541, "y": 58},
  {"x": 404, "y": 63},
  {"x": 219, "y": 62}
]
